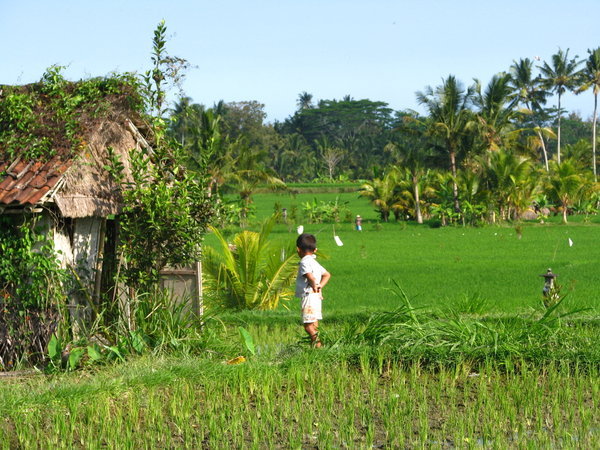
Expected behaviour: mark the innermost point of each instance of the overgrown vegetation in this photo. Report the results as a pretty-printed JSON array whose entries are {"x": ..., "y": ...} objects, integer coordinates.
[
  {"x": 48, "y": 118},
  {"x": 167, "y": 207},
  {"x": 165, "y": 215},
  {"x": 32, "y": 293}
]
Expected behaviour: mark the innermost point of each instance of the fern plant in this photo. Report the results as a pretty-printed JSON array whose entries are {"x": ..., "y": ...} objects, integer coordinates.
[{"x": 251, "y": 272}]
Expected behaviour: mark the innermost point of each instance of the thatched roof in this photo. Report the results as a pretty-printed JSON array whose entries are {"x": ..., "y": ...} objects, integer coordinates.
[
  {"x": 88, "y": 189},
  {"x": 72, "y": 175}
]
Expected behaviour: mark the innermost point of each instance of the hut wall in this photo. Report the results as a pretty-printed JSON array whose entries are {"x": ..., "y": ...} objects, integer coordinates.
[{"x": 77, "y": 242}]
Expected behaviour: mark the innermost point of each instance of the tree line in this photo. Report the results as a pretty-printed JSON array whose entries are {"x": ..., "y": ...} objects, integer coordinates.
[{"x": 479, "y": 152}]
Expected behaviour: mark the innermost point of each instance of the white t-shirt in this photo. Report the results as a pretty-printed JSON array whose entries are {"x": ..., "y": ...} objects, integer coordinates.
[{"x": 308, "y": 264}]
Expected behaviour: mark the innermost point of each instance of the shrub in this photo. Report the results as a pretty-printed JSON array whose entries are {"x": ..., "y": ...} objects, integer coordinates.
[{"x": 251, "y": 272}]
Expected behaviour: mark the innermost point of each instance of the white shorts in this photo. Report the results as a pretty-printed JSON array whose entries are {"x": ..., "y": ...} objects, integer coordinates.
[{"x": 311, "y": 307}]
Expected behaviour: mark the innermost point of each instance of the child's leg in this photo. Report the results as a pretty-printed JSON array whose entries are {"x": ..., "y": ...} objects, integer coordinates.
[{"x": 313, "y": 331}]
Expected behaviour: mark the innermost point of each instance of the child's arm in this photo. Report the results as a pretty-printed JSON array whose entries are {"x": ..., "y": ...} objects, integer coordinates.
[
  {"x": 316, "y": 287},
  {"x": 312, "y": 282},
  {"x": 325, "y": 279}
]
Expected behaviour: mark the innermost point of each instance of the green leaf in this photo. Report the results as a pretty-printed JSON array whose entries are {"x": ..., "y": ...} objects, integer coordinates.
[
  {"x": 247, "y": 340},
  {"x": 54, "y": 347},
  {"x": 137, "y": 342},
  {"x": 93, "y": 353},
  {"x": 75, "y": 357},
  {"x": 115, "y": 351}
]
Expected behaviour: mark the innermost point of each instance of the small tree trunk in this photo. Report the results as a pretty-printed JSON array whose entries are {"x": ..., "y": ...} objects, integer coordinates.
[
  {"x": 594, "y": 136},
  {"x": 543, "y": 144},
  {"x": 564, "y": 214},
  {"x": 544, "y": 151},
  {"x": 418, "y": 214},
  {"x": 558, "y": 134},
  {"x": 454, "y": 184}
]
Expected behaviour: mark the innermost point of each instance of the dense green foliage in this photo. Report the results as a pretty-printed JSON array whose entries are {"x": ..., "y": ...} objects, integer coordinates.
[
  {"x": 167, "y": 207},
  {"x": 251, "y": 272},
  {"x": 32, "y": 293},
  {"x": 166, "y": 211},
  {"x": 50, "y": 117},
  {"x": 349, "y": 138},
  {"x": 25, "y": 252},
  {"x": 477, "y": 155},
  {"x": 165, "y": 216}
]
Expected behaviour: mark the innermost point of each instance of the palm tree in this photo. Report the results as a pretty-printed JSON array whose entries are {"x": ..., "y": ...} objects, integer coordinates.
[
  {"x": 383, "y": 193},
  {"x": 449, "y": 114},
  {"x": 304, "y": 101},
  {"x": 496, "y": 111},
  {"x": 530, "y": 93},
  {"x": 247, "y": 172},
  {"x": 507, "y": 176},
  {"x": 564, "y": 185},
  {"x": 180, "y": 119},
  {"x": 442, "y": 206},
  {"x": 297, "y": 159},
  {"x": 252, "y": 272},
  {"x": 581, "y": 152},
  {"x": 561, "y": 76},
  {"x": 414, "y": 159},
  {"x": 590, "y": 78},
  {"x": 474, "y": 196},
  {"x": 208, "y": 150}
]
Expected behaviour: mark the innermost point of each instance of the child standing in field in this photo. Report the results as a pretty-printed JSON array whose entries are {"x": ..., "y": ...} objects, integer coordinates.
[{"x": 311, "y": 279}]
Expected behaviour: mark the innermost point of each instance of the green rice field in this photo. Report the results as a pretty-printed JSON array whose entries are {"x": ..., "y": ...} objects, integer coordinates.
[
  {"x": 435, "y": 338},
  {"x": 446, "y": 265}
]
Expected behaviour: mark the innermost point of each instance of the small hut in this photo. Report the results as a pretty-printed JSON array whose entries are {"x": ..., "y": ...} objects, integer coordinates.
[
  {"x": 76, "y": 197},
  {"x": 82, "y": 128},
  {"x": 60, "y": 144}
]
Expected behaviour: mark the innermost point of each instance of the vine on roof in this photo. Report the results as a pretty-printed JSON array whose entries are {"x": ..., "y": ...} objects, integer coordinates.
[{"x": 50, "y": 117}]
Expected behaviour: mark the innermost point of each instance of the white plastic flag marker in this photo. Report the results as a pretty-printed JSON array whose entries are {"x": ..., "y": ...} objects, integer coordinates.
[
  {"x": 338, "y": 241},
  {"x": 300, "y": 229},
  {"x": 570, "y": 243}
]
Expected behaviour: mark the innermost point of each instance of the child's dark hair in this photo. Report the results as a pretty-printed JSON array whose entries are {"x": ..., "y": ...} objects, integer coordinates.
[{"x": 306, "y": 242}]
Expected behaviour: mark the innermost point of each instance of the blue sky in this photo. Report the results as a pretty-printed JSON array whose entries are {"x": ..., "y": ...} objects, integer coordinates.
[{"x": 272, "y": 50}]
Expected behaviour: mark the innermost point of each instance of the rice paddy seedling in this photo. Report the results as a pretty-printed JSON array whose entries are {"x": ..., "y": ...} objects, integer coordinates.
[{"x": 313, "y": 404}]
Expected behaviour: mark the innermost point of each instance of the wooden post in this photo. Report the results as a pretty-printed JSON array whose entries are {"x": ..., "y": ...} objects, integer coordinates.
[
  {"x": 99, "y": 260},
  {"x": 200, "y": 302}
]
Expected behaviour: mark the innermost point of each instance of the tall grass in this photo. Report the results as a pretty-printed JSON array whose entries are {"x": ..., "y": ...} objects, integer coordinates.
[{"x": 309, "y": 401}]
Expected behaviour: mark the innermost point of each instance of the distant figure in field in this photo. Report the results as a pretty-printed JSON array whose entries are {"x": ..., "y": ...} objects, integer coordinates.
[
  {"x": 310, "y": 281},
  {"x": 358, "y": 223}
]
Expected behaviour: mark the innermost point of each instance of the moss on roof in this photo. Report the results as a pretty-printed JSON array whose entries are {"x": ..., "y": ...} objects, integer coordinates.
[{"x": 53, "y": 116}]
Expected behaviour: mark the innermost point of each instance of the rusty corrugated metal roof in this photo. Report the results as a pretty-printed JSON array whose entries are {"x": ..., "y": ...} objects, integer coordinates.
[{"x": 25, "y": 183}]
